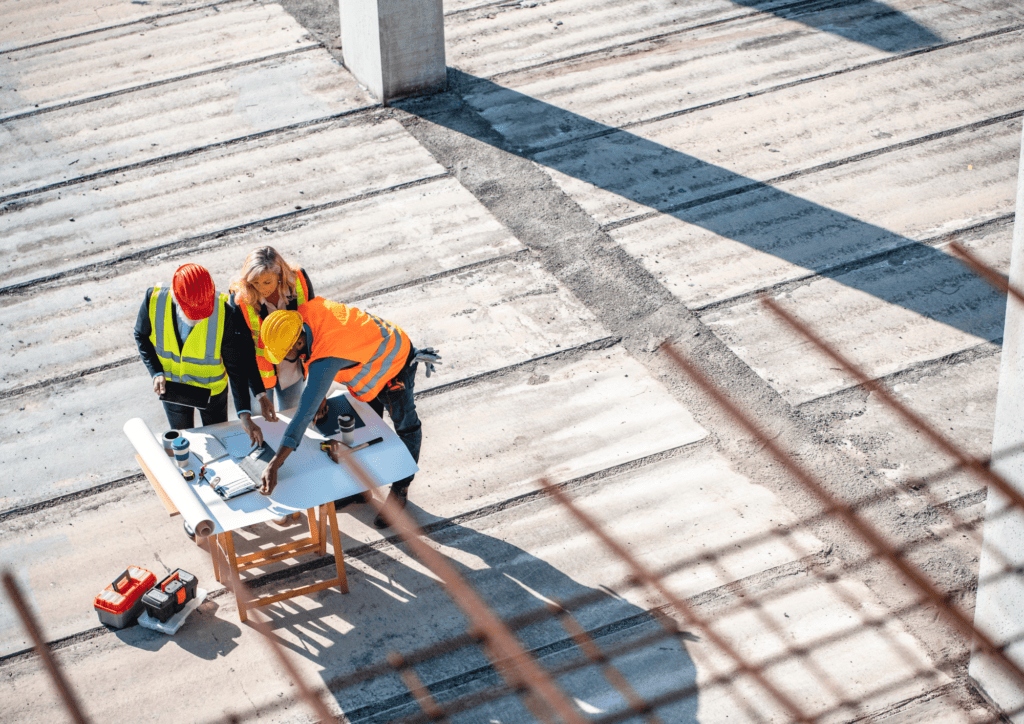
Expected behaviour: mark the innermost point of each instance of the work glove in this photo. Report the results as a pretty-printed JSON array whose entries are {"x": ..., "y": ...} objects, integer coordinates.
[{"x": 428, "y": 356}]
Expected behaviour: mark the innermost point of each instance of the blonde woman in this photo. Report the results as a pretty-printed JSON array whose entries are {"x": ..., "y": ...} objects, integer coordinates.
[{"x": 266, "y": 284}]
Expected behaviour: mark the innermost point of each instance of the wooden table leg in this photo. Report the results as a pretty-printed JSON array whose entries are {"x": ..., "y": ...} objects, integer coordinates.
[
  {"x": 322, "y": 531},
  {"x": 228, "y": 541},
  {"x": 339, "y": 557},
  {"x": 211, "y": 544},
  {"x": 314, "y": 528}
]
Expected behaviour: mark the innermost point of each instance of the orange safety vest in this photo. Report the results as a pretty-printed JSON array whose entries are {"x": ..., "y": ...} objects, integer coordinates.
[
  {"x": 379, "y": 347},
  {"x": 252, "y": 319}
]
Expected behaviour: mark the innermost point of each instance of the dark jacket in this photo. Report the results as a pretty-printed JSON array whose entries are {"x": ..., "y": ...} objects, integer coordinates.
[{"x": 237, "y": 351}]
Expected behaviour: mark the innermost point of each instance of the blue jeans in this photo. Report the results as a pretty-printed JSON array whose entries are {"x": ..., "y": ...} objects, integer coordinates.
[
  {"x": 287, "y": 398},
  {"x": 182, "y": 417},
  {"x": 398, "y": 399}
]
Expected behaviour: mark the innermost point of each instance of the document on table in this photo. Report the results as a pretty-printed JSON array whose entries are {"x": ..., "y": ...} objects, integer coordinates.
[
  {"x": 237, "y": 443},
  {"x": 205, "y": 446}
]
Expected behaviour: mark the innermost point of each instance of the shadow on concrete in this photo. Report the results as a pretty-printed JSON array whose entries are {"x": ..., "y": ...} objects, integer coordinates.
[
  {"x": 204, "y": 635},
  {"x": 869, "y": 22},
  {"x": 395, "y": 606},
  {"x": 760, "y": 216}
]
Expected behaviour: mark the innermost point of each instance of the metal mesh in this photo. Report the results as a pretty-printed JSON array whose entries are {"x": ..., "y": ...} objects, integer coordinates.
[{"x": 757, "y": 684}]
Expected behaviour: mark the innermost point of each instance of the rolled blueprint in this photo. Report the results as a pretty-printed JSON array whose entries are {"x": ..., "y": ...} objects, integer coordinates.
[{"x": 168, "y": 475}]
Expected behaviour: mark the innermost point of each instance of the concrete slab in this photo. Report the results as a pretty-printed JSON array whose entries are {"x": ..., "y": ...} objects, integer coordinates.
[
  {"x": 60, "y": 543},
  {"x": 167, "y": 119},
  {"x": 958, "y": 398},
  {"x": 45, "y": 345},
  {"x": 671, "y": 162},
  {"x": 84, "y": 543},
  {"x": 561, "y": 418},
  {"x": 667, "y": 671},
  {"x": 37, "y": 77},
  {"x": 525, "y": 313},
  {"x": 114, "y": 218},
  {"x": 885, "y": 317},
  {"x": 846, "y": 661},
  {"x": 627, "y": 84},
  {"x": 487, "y": 42},
  {"x": 512, "y": 562},
  {"x": 817, "y": 222},
  {"x": 24, "y": 23}
]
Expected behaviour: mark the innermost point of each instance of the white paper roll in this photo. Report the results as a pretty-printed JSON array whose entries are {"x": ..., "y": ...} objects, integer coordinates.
[{"x": 168, "y": 475}]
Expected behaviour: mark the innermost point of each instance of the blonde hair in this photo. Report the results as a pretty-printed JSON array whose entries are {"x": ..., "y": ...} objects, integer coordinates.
[{"x": 260, "y": 261}]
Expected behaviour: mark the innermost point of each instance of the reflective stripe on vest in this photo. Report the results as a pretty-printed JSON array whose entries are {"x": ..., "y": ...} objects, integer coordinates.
[
  {"x": 253, "y": 321},
  {"x": 199, "y": 363},
  {"x": 363, "y": 382},
  {"x": 378, "y": 347}
]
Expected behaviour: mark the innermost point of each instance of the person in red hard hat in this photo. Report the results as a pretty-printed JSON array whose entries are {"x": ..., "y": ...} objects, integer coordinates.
[{"x": 188, "y": 333}]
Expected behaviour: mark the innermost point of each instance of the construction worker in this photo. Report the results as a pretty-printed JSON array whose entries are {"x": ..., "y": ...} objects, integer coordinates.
[
  {"x": 372, "y": 357},
  {"x": 185, "y": 334},
  {"x": 266, "y": 284}
]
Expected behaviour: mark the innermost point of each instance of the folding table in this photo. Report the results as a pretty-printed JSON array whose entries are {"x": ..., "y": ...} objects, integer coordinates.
[{"x": 309, "y": 482}]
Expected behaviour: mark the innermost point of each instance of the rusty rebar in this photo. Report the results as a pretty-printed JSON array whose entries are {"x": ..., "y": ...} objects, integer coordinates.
[
  {"x": 861, "y": 527},
  {"x": 649, "y": 578},
  {"x": 417, "y": 688},
  {"x": 28, "y": 620},
  {"x": 510, "y": 659},
  {"x": 306, "y": 692}
]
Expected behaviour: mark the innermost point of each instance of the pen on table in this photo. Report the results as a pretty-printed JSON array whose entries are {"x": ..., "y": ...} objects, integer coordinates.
[{"x": 326, "y": 445}]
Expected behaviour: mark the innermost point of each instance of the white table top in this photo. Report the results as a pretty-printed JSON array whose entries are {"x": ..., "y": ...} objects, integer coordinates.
[{"x": 308, "y": 477}]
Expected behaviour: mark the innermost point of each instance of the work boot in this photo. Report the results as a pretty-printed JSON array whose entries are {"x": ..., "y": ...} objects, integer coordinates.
[
  {"x": 287, "y": 519},
  {"x": 356, "y": 499},
  {"x": 400, "y": 497}
]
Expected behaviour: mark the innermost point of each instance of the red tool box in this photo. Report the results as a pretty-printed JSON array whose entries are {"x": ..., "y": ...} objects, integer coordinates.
[{"x": 120, "y": 603}]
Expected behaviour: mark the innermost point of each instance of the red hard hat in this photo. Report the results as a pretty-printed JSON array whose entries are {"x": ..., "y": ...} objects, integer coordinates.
[{"x": 194, "y": 291}]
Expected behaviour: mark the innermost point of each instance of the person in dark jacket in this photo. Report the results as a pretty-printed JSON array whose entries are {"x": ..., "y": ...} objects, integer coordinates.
[{"x": 189, "y": 333}]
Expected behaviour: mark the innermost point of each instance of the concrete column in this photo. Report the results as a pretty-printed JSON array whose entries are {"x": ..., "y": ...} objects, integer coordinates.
[
  {"x": 394, "y": 47},
  {"x": 1000, "y": 605}
]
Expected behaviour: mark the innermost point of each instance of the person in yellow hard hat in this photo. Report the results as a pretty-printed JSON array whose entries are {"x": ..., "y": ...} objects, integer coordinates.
[
  {"x": 185, "y": 334},
  {"x": 266, "y": 284},
  {"x": 374, "y": 358}
]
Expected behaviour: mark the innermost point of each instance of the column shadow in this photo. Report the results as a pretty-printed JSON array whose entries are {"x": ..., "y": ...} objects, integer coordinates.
[
  {"x": 891, "y": 30},
  {"x": 817, "y": 239},
  {"x": 394, "y": 604}
]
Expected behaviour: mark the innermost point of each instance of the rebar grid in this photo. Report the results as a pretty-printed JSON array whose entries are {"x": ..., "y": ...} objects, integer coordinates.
[{"x": 523, "y": 675}]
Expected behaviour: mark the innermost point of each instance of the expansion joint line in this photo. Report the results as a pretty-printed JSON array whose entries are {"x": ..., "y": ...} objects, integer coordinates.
[
  {"x": 764, "y": 91},
  {"x": 908, "y": 245},
  {"x": 50, "y": 382},
  {"x": 188, "y": 244},
  {"x": 12, "y": 513},
  {"x": 963, "y": 356},
  {"x": 772, "y": 182},
  {"x": 128, "y": 24},
  {"x": 599, "y": 344},
  {"x": 42, "y": 384},
  {"x": 158, "y": 83},
  {"x": 372, "y": 112},
  {"x": 640, "y": 41}
]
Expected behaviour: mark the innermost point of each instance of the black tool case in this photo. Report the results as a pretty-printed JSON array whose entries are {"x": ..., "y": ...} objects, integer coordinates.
[{"x": 170, "y": 595}]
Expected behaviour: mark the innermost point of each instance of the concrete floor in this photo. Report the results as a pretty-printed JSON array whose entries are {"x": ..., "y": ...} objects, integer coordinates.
[{"x": 600, "y": 176}]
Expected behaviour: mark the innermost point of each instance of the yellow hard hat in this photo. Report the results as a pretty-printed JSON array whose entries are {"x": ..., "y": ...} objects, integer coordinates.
[{"x": 279, "y": 332}]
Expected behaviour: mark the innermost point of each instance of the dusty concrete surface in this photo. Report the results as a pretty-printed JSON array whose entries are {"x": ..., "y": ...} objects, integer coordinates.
[{"x": 599, "y": 177}]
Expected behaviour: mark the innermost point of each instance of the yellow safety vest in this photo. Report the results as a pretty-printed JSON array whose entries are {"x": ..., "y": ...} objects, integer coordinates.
[
  {"x": 199, "y": 363},
  {"x": 253, "y": 321}
]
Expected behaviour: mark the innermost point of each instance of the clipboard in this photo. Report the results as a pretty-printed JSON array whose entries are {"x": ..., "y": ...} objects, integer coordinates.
[{"x": 178, "y": 393}]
